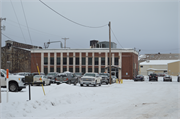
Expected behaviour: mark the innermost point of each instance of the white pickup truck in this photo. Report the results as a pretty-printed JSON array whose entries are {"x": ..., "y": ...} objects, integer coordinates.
[{"x": 16, "y": 82}]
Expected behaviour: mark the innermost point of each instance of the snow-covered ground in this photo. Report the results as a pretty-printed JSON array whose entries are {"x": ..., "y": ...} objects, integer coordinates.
[{"x": 130, "y": 100}]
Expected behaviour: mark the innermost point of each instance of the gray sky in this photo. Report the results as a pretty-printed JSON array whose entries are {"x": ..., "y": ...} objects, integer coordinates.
[{"x": 149, "y": 26}]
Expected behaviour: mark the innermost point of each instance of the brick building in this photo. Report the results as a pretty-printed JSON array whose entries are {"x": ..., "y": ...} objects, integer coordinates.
[{"x": 124, "y": 61}]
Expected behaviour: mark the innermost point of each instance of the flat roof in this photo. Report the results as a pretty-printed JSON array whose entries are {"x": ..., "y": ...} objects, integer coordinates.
[{"x": 157, "y": 62}]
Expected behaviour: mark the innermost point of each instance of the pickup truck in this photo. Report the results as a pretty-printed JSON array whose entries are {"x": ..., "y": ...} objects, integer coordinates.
[
  {"x": 68, "y": 78},
  {"x": 16, "y": 82}
]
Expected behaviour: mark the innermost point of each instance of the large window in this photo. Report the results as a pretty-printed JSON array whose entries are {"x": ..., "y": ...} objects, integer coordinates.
[
  {"x": 89, "y": 69},
  {"x": 64, "y": 61},
  {"x": 102, "y": 60},
  {"x": 116, "y": 61},
  {"x": 71, "y": 61},
  {"x": 96, "y": 70},
  {"x": 77, "y": 70},
  {"x": 45, "y": 60},
  {"x": 102, "y": 70},
  {"x": 45, "y": 70},
  {"x": 89, "y": 61},
  {"x": 52, "y": 61},
  {"x": 83, "y": 61},
  {"x": 52, "y": 69},
  {"x": 58, "y": 61},
  {"x": 96, "y": 61},
  {"x": 108, "y": 61},
  {"x": 83, "y": 70},
  {"x": 64, "y": 69},
  {"x": 71, "y": 69},
  {"x": 77, "y": 60},
  {"x": 58, "y": 69}
]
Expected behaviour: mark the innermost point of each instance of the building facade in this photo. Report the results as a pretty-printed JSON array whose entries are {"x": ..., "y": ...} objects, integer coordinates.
[
  {"x": 125, "y": 61},
  {"x": 174, "y": 68}
]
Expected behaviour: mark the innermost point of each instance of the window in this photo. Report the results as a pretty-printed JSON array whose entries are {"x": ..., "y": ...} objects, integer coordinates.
[
  {"x": 83, "y": 70},
  {"x": 45, "y": 70},
  {"x": 102, "y": 69},
  {"x": 77, "y": 60},
  {"x": 96, "y": 70},
  {"x": 77, "y": 70},
  {"x": 89, "y": 61},
  {"x": 89, "y": 69},
  {"x": 108, "y": 61},
  {"x": 83, "y": 61},
  {"x": 96, "y": 60},
  {"x": 71, "y": 61},
  {"x": 45, "y": 60},
  {"x": 58, "y": 69},
  {"x": 141, "y": 66},
  {"x": 116, "y": 59},
  {"x": 64, "y": 61},
  {"x": 64, "y": 69},
  {"x": 102, "y": 60},
  {"x": 58, "y": 61},
  {"x": 52, "y": 69},
  {"x": 71, "y": 69},
  {"x": 52, "y": 61}
]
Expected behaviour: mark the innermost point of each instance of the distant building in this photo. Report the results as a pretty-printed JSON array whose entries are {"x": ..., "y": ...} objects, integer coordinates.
[
  {"x": 174, "y": 68},
  {"x": 16, "y": 56},
  {"x": 102, "y": 44}
]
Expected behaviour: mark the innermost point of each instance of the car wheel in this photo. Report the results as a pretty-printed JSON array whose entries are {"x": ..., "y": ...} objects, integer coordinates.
[
  {"x": 171, "y": 80},
  {"x": 100, "y": 84},
  {"x": 49, "y": 83},
  {"x": 107, "y": 83},
  {"x": 95, "y": 84},
  {"x": 43, "y": 83},
  {"x": 13, "y": 87},
  {"x": 87, "y": 85},
  {"x": 19, "y": 89},
  {"x": 81, "y": 85}
]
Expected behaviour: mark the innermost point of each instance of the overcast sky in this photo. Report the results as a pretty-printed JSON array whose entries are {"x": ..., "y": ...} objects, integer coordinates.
[{"x": 149, "y": 26}]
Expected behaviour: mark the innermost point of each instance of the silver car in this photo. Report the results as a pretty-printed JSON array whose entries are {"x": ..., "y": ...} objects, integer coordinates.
[
  {"x": 90, "y": 79},
  {"x": 41, "y": 79}
]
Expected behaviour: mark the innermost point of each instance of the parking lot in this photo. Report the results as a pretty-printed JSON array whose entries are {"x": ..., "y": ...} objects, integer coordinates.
[{"x": 130, "y": 100}]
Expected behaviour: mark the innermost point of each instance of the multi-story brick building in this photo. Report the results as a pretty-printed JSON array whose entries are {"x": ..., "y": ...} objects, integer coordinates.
[{"x": 124, "y": 61}]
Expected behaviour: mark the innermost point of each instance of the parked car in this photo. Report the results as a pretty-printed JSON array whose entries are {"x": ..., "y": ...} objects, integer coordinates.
[
  {"x": 139, "y": 78},
  {"x": 79, "y": 75},
  {"x": 114, "y": 79},
  {"x": 90, "y": 79},
  {"x": 167, "y": 78},
  {"x": 178, "y": 78},
  {"x": 104, "y": 78},
  {"x": 23, "y": 73},
  {"x": 161, "y": 74},
  {"x": 153, "y": 77},
  {"x": 37, "y": 73},
  {"x": 16, "y": 82},
  {"x": 52, "y": 76},
  {"x": 41, "y": 79},
  {"x": 67, "y": 77}
]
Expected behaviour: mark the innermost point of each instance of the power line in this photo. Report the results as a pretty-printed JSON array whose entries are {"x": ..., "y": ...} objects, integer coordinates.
[
  {"x": 70, "y": 19},
  {"x": 7, "y": 36},
  {"x": 116, "y": 38},
  {"x": 18, "y": 21}
]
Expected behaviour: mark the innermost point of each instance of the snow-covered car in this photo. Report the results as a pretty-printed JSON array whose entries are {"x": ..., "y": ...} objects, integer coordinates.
[
  {"x": 167, "y": 78},
  {"x": 114, "y": 79},
  {"x": 41, "y": 79},
  {"x": 90, "y": 79},
  {"x": 153, "y": 76},
  {"x": 67, "y": 77},
  {"x": 52, "y": 76},
  {"x": 16, "y": 82},
  {"x": 139, "y": 78},
  {"x": 105, "y": 78}
]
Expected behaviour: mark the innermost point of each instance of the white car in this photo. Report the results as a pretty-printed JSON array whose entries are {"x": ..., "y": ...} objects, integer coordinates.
[
  {"x": 41, "y": 79},
  {"x": 16, "y": 82},
  {"x": 90, "y": 79}
]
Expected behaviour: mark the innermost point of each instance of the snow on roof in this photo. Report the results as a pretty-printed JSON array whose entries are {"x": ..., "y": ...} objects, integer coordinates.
[
  {"x": 157, "y": 69},
  {"x": 157, "y": 62}
]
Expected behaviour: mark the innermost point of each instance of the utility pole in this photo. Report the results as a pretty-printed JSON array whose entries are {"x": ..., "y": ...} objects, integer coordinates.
[
  {"x": 65, "y": 41},
  {"x": 110, "y": 50},
  {"x": 0, "y": 53}
]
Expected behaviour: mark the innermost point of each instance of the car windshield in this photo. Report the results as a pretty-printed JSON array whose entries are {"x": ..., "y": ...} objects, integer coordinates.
[
  {"x": 153, "y": 74},
  {"x": 114, "y": 76},
  {"x": 52, "y": 73},
  {"x": 104, "y": 74},
  {"x": 138, "y": 76},
  {"x": 4, "y": 71},
  {"x": 78, "y": 74},
  {"x": 37, "y": 76},
  {"x": 87, "y": 74},
  {"x": 63, "y": 75}
]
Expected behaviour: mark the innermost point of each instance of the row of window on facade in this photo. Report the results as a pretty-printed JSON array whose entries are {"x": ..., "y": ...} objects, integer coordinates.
[
  {"x": 83, "y": 70},
  {"x": 96, "y": 61}
]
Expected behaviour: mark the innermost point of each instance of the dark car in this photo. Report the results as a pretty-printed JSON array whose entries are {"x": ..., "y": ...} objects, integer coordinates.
[
  {"x": 78, "y": 75},
  {"x": 52, "y": 76},
  {"x": 167, "y": 78},
  {"x": 178, "y": 78},
  {"x": 139, "y": 78},
  {"x": 153, "y": 77},
  {"x": 68, "y": 78}
]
